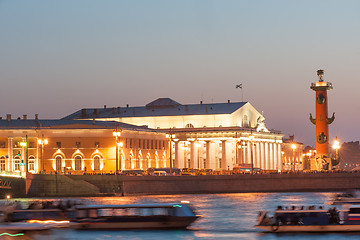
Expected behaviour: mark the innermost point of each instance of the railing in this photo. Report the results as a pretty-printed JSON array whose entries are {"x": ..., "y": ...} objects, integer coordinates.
[{"x": 13, "y": 174}]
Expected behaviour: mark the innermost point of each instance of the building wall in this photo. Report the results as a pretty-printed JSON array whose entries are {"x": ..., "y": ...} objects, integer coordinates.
[{"x": 77, "y": 150}]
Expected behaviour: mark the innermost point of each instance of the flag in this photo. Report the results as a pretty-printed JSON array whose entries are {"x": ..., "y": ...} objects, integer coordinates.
[{"x": 239, "y": 85}]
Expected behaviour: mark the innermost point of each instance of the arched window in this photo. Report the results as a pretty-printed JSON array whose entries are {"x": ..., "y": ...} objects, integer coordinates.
[
  {"x": 2, "y": 163},
  {"x": 78, "y": 164},
  {"x": 189, "y": 125},
  {"x": 17, "y": 163},
  {"x": 58, "y": 163},
  {"x": 32, "y": 164},
  {"x": 245, "y": 121},
  {"x": 96, "y": 163}
]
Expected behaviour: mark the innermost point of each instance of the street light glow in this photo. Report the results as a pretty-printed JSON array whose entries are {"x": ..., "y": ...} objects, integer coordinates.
[{"x": 293, "y": 146}]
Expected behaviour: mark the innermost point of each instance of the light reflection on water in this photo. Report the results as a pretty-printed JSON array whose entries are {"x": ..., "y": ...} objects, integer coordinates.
[{"x": 224, "y": 216}]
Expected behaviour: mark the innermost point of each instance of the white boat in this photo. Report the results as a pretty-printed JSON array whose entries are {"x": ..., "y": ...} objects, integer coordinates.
[
  {"x": 311, "y": 220},
  {"x": 134, "y": 216}
]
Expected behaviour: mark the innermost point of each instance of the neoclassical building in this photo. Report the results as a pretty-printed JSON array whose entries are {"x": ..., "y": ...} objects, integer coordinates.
[
  {"x": 217, "y": 135},
  {"x": 74, "y": 146}
]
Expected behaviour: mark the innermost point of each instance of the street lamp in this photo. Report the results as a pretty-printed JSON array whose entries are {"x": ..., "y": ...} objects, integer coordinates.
[
  {"x": 43, "y": 141},
  {"x": 293, "y": 146},
  {"x": 25, "y": 145},
  {"x": 251, "y": 137},
  {"x": 170, "y": 136},
  {"x": 117, "y": 134}
]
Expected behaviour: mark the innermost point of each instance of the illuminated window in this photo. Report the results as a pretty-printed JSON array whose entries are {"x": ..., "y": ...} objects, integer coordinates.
[
  {"x": 2, "y": 163},
  {"x": 31, "y": 163},
  {"x": 78, "y": 163},
  {"x": 17, "y": 161},
  {"x": 97, "y": 144},
  {"x": 58, "y": 163},
  {"x": 96, "y": 163}
]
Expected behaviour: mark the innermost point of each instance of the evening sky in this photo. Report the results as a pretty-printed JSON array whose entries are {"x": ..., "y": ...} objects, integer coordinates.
[{"x": 57, "y": 57}]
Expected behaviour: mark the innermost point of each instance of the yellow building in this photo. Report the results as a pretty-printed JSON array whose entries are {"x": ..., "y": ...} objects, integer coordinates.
[
  {"x": 74, "y": 146},
  {"x": 217, "y": 135}
]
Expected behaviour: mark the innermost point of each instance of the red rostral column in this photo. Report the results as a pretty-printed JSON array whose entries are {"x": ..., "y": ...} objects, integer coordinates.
[{"x": 322, "y": 121}]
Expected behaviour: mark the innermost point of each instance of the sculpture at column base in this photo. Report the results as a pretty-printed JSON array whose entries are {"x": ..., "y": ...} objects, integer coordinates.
[{"x": 320, "y": 163}]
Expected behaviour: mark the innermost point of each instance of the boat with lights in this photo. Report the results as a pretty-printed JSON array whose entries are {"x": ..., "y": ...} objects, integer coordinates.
[
  {"x": 134, "y": 216},
  {"x": 311, "y": 220},
  {"x": 346, "y": 198}
]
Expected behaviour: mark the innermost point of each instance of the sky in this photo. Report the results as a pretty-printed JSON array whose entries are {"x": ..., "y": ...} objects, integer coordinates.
[{"x": 57, "y": 57}]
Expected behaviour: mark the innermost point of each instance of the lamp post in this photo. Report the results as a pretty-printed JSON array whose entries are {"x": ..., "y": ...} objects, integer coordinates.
[
  {"x": 43, "y": 141},
  {"x": 117, "y": 134},
  {"x": 293, "y": 146},
  {"x": 251, "y": 137},
  {"x": 170, "y": 136},
  {"x": 25, "y": 145}
]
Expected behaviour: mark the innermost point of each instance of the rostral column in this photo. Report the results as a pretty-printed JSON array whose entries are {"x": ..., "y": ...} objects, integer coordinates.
[{"x": 322, "y": 159}]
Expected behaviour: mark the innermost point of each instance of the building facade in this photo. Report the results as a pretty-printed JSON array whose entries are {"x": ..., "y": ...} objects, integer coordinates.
[
  {"x": 70, "y": 146},
  {"x": 217, "y": 136}
]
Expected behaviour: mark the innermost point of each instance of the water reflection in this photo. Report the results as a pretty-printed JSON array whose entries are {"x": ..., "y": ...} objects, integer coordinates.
[{"x": 224, "y": 216}]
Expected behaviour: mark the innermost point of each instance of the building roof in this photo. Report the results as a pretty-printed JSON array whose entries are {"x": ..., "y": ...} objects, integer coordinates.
[
  {"x": 159, "y": 107},
  {"x": 63, "y": 124}
]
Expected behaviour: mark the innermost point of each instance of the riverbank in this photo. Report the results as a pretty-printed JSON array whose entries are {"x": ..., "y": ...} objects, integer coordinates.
[{"x": 41, "y": 185}]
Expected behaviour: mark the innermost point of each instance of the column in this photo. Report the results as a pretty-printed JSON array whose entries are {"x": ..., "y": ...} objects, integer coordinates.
[
  {"x": 192, "y": 155},
  {"x": 223, "y": 155},
  {"x": 10, "y": 164},
  {"x": 262, "y": 154},
  {"x": 178, "y": 163},
  {"x": 248, "y": 152},
  {"x": 210, "y": 155},
  {"x": 271, "y": 153},
  {"x": 279, "y": 157},
  {"x": 266, "y": 152},
  {"x": 258, "y": 159},
  {"x": 276, "y": 163}
]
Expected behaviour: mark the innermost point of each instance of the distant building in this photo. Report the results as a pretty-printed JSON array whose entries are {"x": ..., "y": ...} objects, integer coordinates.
[
  {"x": 217, "y": 136},
  {"x": 293, "y": 155}
]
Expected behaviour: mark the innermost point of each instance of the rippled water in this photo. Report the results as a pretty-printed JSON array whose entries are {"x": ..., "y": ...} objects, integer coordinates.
[{"x": 224, "y": 216}]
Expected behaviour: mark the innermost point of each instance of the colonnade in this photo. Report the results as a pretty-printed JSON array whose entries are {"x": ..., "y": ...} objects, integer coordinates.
[{"x": 225, "y": 154}]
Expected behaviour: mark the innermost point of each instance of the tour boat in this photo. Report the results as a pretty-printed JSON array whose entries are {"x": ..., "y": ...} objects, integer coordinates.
[
  {"x": 345, "y": 198},
  {"x": 134, "y": 216},
  {"x": 311, "y": 220}
]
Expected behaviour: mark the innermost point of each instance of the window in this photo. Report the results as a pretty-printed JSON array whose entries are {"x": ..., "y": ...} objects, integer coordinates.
[
  {"x": 189, "y": 125},
  {"x": 2, "y": 145},
  {"x": 77, "y": 144},
  {"x": 139, "y": 143},
  {"x": 96, "y": 163},
  {"x": 58, "y": 163},
  {"x": 17, "y": 163},
  {"x": 58, "y": 144},
  {"x": 97, "y": 144},
  {"x": 156, "y": 144},
  {"x": 31, "y": 163},
  {"x": 31, "y": 145},
  {"x": 152, "y": 144},
  {"x": 147, "y": 144},
  {"x": 2, "y": 163},
  {"x": 143, "y": 145},
  {"x": 78, "y": 163},
  {"x": 131, "y": 143}
]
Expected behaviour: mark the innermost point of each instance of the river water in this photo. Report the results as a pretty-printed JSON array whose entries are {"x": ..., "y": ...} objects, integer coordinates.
[{"x": 224, "y": 216}]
